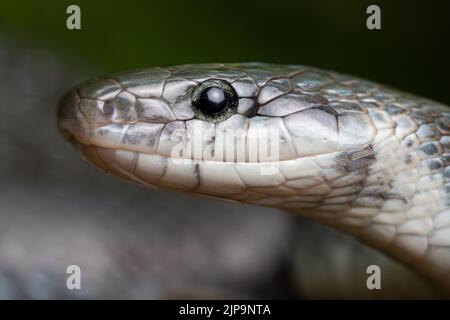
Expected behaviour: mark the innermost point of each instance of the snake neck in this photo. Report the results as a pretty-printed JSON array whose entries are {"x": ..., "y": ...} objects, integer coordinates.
[{"x": 393, "y": 195}]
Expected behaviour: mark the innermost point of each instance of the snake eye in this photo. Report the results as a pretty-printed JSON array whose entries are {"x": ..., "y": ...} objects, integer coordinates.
[{"x": 214, "y": 99}]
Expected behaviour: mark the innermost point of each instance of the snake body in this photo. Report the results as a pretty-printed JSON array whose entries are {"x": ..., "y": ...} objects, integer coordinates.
[{"x": 353, "y": 154}]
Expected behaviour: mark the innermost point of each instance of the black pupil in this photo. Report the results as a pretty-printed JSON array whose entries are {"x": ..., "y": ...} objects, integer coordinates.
[{"x": 213, "y": 100}]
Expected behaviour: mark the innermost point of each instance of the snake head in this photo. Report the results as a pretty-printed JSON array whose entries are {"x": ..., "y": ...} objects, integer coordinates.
[{"x": 257, "y": 133}]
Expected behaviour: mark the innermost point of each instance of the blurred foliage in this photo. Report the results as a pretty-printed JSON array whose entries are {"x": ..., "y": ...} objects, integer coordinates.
[{"x": 410, "y": 52}]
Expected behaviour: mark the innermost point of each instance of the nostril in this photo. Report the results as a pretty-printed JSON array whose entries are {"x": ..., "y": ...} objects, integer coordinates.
[{"x": 108, "y": 109}]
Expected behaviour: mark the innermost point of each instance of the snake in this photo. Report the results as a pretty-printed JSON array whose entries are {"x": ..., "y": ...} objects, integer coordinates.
[{"x": 364, "y": 158}]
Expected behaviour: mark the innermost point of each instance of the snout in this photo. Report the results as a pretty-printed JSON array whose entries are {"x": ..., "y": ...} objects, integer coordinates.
[{"x": 72, "y": 124}]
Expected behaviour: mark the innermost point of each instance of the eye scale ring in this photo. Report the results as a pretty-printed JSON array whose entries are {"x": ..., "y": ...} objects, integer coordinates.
[{"x": 214, "y": 100}]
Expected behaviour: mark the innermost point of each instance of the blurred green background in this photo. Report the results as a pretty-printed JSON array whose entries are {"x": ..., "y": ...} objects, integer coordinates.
[{"x": 411, "y": 51}]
